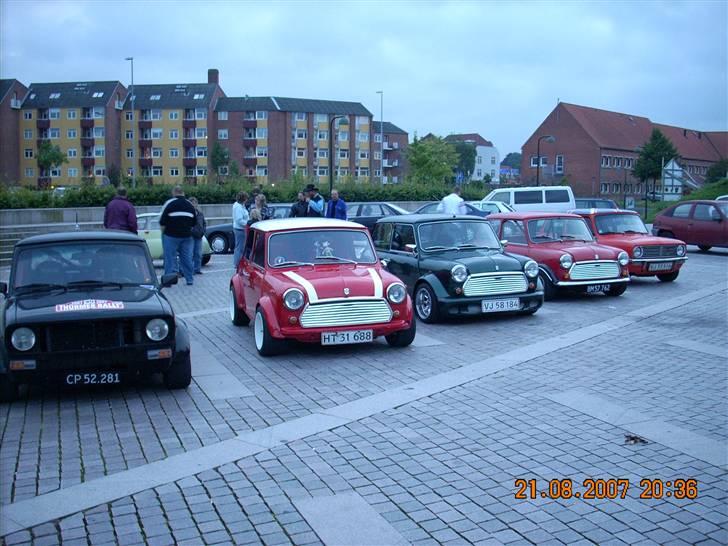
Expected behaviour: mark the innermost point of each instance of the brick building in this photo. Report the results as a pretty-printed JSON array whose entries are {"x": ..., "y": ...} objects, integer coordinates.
[
  {"x": 393, "y": 168},
  {"x": 12, "y": 93},
  {"x": 594, "y": 150}
]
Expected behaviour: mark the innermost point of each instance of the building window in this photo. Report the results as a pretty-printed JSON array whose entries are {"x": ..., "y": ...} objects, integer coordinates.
[
  {"x": 261, "y": 114},
  {"x": 616, "y": 188},
  {"x": 378, "y": 155},
  {"x": 261, "y": 132},
  {"x": 301, "y": 133},
  {"x": 54, "y": 133},
  {"x": 377, "y": 172},
  {"x": 362, "y": 120},
  {"x": 201, "y": 171},
  {"x": 130, "y": 153},
  {"x": 343, "y": 154},
  {"x": 129, "y": 134},
  {"x": 72, "y": 152},
  {"x": 129, "y": 116},
  {"x": 99, "y": 132},
  {"x": 222, "y": 116},
  {"x": 261, "y": 151},
  {"x": 200, "y": 113},
  {"x": 534, "y": 164},
  {"x": 544, "y": 161},
  {"x": 28, "y": 153},
  {"x": 201, "y": 151},
  {"x": 198, "y": 96},
  {"x": 363, "y": 136},
  {"x": 249, "y": 116},
  {"x": 174, "y": 134},
  {"x": 492, "y": 173},
  {"x": 157, "y": 170},
  {"x": 27, "y": 114},
  {"x": 29, "y": 172},
  {"x": 222, "y": 134},
  {"x": 201, "y": 132},
  {"x": 54, "y": 96},
  {"x": 156, "y": 152},
  {"x": 492, "y": 160},
  {"x": 559, "y": 164},
  {"x": 55, "y": 172},
  {"x": 604, "y": 187},
  {"x": 54, "y": 113},
  {"x": 300, "y": 152},
  {"x": 343, "y": 135},
  {"x": 605, "y": 161},
  {"x": 72, "y": 172},
  {"x": 173, "y": 172},
  {"x": 28, "y": 134},
  {"x": 98, "y": 94},
  {"x": 71, "y": 114},
  {"x": 377, "y": 137},
  {"x": 155, "y": 115},
  {"x": 322, "y": 171},
  {"x": 99, "y": 151},
  {"x": 479, "y": 173},
  {"x": 321, "y": 153},
  {"x": 156, "y": 134},
  {"x": 98, "y": 112},
  {"x": 174, "y": 114},
  {"x": 223, "y": 170},
  {"x": 479, "y": 160},
  {"x": 617, "y": 161},
  {"x": 323, "y": 135},
  {"x": 321, "y": 118},
  {"x": 261, "y": 171},
  {"x": 362, "y": 171},
  {"x": 71, "y": 133},
  {"x": 174, "y": 152},
  {"x": 364, "y": 155},
  {"x": 300, "y": 116}
]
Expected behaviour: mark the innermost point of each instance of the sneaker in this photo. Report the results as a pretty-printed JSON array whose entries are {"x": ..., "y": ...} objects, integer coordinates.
[
  {"x": 198, "y": 272},
  {"x": 190, "y": 283}
]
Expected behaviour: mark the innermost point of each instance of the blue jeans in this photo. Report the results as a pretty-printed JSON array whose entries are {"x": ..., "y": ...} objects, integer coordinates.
[
  {"x": 171, "y": 246},
  {"x": 197, "y": 254},
  {"x": 239, "y": 246}
]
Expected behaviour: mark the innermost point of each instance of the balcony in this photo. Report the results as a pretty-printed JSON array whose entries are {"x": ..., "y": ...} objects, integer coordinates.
[
  {"x": 189, "y": 142},
  {"x": 88, "y": 161},
  {"x": 249, "y": 124},
  {"x": 189, "y": 123},
  {"x": 145, "y": 142},
  {"x": 145, "y": 124},
  {"x": 87, "y": 142},
  {"x": 388, "y": 146},
  {"x": 249, "y": 140},
  {"x": 43, "y": 123},
  {"x": 145, "y": 161},
  {"x": 189, "y": 162},
  {"x": 250, "y": 161}
]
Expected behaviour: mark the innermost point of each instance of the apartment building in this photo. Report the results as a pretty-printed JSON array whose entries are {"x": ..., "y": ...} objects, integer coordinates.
[
  {"x": 82, "y": 119},
  {"x": 487, "y": 158},
  {"x": 165, "y": 138},
  {"x": 12, "y": 93},
  {"x": 390, "y": 162},
  {"x": 270, "y": 138}
]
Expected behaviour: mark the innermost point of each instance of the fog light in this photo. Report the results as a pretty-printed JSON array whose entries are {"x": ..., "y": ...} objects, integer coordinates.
[
  {"x": 458, "y": 290},
  {"x": 159, "y": 354},
  {"x": 531, "y": 285},
  {"x": 395, "y": 313},
  {"x": 22, "y": 365},
  {"x": 566, "y": 275},
  {"x": 292, "y": 320}
]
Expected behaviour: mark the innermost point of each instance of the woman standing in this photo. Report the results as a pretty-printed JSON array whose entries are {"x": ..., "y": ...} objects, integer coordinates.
[
  {"x": 240, "y": 221},
  {"x": 260, "y": 211}
]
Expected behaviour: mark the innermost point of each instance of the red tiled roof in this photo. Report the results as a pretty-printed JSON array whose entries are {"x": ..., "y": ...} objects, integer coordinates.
[
  {"x": 690, "y": 144},
  {"x": 719, "y": 139},
  {"x": 469, "y": 137}
]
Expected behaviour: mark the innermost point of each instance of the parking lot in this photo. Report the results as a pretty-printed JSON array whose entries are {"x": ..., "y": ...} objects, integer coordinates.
[{"x": 393, "y": 446}]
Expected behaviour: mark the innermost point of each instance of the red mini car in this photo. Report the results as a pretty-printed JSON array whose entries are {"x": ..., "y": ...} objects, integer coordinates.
[
  {"x": 567, "y": 255},
  {"x": 702, "y": 223},
  {"x": 317, "y": 280},
  {"x": 649, "y": 256}
]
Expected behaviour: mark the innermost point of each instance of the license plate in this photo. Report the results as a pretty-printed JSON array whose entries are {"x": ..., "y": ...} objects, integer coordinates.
[
  {"x": 494, "y": 306},
  {"x": 346, "y": 338},
  {"x": 592, "y": 288},
  {"x": 93, "y": 378},
  {"x": 661, "y": 266}
]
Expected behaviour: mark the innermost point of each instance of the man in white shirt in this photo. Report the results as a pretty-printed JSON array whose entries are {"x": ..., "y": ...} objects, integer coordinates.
[
  {"x": 240, "y": 220},
  {"x": 452, "y": 203}
]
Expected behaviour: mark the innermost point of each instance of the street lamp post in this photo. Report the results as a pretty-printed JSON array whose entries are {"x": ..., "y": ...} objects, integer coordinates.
[
  {"x": 547, "y": 138},
  {"x": 332, "y": 162},
  {"x": 381, "y": 136},
  {"x": 133, "y": 128}
]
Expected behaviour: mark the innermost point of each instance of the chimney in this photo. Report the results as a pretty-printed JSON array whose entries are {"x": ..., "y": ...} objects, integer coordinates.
[{"x": 213, "y": 76}]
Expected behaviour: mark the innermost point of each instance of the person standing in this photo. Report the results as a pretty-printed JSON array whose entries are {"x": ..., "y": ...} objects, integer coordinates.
[
  {"x": 250, "y": 203},
  {"x": 240, "y": 221},
  {"x": 198, "y": 232},
  {"x": 452, "y": 203},
  {"x": 177, "y": 219},
  {"x": 299, "y": 208},
  {"x": 260, "y": 211},
  {"x": 120, "y": 213},
  {"x": 315, "y": 201},
  {"x": 336, "y": 207}
]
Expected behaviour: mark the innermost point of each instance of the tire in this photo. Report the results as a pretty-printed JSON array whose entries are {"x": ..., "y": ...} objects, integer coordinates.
[
  {"x": 219, "y": 243},
  {"x": 8, "y": 389},
  {"x": 668, "y": 234},
  {"x": 403, "y": 338},
  {"x": 549, "y": 290},
  {"x": 266, "y": 344},
  {"x": 669, "y": 277},
  {"x": 179, "y": 375},
  {"x": 616, "y": 289},
  {"x": 237, "y": 315},
  {"x": 426, "y": 306},
  {"x": 206, "y": 259},
  {"x": 704, "y": 248}
]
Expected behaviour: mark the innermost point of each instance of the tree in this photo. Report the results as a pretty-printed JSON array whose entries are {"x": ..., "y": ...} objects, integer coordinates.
[
  {"x": 466, "y": 158},
  {"x": 50, "y": 157},
  {"x": 656, "y": 152},
  {"x": 234, "y": 169},
  {"x": 431, "y": 159},
  {"x": 219, "y": 157},
  {"x": 717, "y": 171},
  {"x": 513, "y": 159}
]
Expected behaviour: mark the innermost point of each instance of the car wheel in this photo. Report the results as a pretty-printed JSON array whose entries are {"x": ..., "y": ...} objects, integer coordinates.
[
  {"x": 8, "y": 388},
  {"x": 549, "y": 290},
  {"x": 668, "y": 234},
  {"x": 218, "y": 243},
  {"x": 266, "y": 344},
  {"x": 616, "y": 289},
  {"x": 403, "y": 338},
  {"x": 179, "y": 375},
  {"x": 426, "y": 305},
  {"x": 530, "y": 311},
  {"x": 668, "y": 277},
  {"x": 237, "y": 315},
  {"x": 704, "y": 248},
  {"x": 206, "y": 259}
]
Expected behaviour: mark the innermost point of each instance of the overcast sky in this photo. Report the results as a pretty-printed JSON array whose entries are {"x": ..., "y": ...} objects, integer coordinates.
[{"x": 493, "y": 68}]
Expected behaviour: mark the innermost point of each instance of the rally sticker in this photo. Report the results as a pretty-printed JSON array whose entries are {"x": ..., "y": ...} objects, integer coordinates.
[{"x": 89, "y": 305}]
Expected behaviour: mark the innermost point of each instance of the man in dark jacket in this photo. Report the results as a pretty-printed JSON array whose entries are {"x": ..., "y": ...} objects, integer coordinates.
[
  {"x": 120, "y": 213},
  {"x": 315, "y": 201},
  {"x": 299, "y": 208},
  {"x": 336, "y": 207},
  {"x": 177, "y": 219}
]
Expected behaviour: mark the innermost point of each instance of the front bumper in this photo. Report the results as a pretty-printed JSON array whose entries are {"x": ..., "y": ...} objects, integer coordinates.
[
  {"x": 571, "y": 284},
  {"x": 472, "y": 305},
  {"x": 641, "y": 267},
  {"x": 313, "y": 335}
]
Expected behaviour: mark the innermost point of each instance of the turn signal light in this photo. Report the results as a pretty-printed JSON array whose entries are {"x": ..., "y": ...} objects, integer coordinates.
[
  {"x": 292, "y": 320},
  {"x": 458, "y": 290},
  {"x": 395, "y": 313},
  {"x": 22, "y": 364},
  {"x": 531, "y": 286},
  {"x": 566, "y": 275}
]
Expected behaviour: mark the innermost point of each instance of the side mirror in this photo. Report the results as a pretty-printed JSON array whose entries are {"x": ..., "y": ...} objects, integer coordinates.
[
  {"x": 384, "y": 263},
  {"x": 169, "y": 280},
  {"x": 717, "y": 218},
  {"x": 411, "y": 248},
  {"x": 504, "y": 242},
  {"x": 3, "y": 288}
]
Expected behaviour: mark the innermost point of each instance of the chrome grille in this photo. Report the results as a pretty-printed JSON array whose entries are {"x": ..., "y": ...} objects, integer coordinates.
[
  {"x": 492, "y": 284},
  {"x": 659, "y": 251},
  {"x": 346, "y": 313},
  {"x": 594, "y": 270}
]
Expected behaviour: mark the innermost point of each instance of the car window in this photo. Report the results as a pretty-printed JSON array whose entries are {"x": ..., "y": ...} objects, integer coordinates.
[
  {"x": 495, "y": 224},
  {"x": 249, "y": 244},
  {"x": 546, "y": 230},
  {"x": 704, "y": 212},
  {"x": 320, "y": 246},
  {"x": 502, "y": 196},
  {"x": 527, "y": 197},
  {"x": 619, "y": 223},
  {"x": 280, "y": 212},
  {"x": 557, "y": 196},
  {"x": 489, "y": 207},
  {"x": 681, "y": 211},
  {"x": 382, "y": 236},
  {"x": 436, "y": 236},
  {"x": 259, "y": 249},
  {"x": 404, "y": 234},
  {"x": 352, "y": 211},
  {"x": 370, "y": 209},
  {"x": 514, "y": 232},
  {"x": 429, "y": 209}
]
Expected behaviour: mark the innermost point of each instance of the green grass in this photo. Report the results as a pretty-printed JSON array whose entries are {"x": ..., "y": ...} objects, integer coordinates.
[{"x": 710, "y": 191}]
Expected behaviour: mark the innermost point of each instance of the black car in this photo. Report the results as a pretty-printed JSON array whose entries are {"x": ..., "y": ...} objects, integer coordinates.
[
  {"x": 222, "y": 238},
  {"x": 455, "y": 265},
  {"x": 431, "y": 208},
  {"x": 595, "y": 203},
  {"x": 367, "y": 214},
  {"x": 86, "y": 308}
]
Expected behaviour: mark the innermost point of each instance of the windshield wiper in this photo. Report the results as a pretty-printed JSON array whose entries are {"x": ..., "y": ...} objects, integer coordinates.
[
  {"x": 39, "y": 287},
  {"x": 545, "y": 237},
  {"x": 572, "y": 238},
  {"x": 336, "y": 258},
  {"x": 293, "y": 262},
  {"x": 94, "y": 283},
  {"x": 437, "y": 247},
  {"x": 633, "y": 231}
]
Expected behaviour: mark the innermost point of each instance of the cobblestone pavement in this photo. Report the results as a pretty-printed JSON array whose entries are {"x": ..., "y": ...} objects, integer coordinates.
[{"x": 438, "y": 468}]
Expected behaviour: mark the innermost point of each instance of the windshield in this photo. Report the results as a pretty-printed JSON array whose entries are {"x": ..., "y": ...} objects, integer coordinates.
[
  {"x": 545, "y": 230},
  {"x": 459, "y": 234},
  {"x": 619, "y": 223},
  {"x": 65, "y": 265},
  {"x": 320, "y": 246}
]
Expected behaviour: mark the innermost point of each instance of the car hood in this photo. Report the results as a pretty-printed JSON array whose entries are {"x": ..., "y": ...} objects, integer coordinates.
[
  {"x": 93, "y": 304},
  {"x": 477, "y": 261},
  {"x": 630, "y": 240},
  {"x": 582, "y": 251},
  {"x": 334, "y": 281}
]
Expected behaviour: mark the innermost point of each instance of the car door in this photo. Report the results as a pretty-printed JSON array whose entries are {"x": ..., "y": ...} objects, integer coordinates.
[
  {"x": 404, "y": 261},
  {"x": 514, "y": 232},
  {"x": 368, "y": 214},
  {"x": 680, "y": 222},
  {"x": 252, "y": 269},
  {"x": 704, "y": 228}
]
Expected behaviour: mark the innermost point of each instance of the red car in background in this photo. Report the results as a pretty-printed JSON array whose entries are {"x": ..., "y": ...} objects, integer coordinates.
[
  {"x": 649, "y": 255},
  {"x": 702, "y": 223},
  {"x": 568, "y": 256},
  {"x": 317, "y": 280}
]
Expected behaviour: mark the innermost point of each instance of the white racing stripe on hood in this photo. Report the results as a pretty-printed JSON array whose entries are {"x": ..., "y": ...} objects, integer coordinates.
[
  {"x": 378, "y": 287},
  {"x": 307, "y": 286}
]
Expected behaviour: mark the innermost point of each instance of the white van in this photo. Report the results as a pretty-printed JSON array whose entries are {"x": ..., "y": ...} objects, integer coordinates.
[{"x": 535, "y": 198}]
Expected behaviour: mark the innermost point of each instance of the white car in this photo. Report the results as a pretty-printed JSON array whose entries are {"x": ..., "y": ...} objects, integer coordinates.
[
  {"x": 491, "y": 206},
  {"x": 535, "y": 198},
  {"x": 722, "y": 198}
]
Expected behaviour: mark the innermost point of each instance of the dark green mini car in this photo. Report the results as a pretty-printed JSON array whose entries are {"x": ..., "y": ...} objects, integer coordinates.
[{"x": 455, "y": 266}]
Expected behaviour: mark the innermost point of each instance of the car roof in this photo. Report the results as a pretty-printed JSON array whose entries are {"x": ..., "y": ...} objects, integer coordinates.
[
  {"x": 74, "y": 236},
  {"x": 280, "y": 224},
  {"x": 421, "y": 218},
  {"x": 526, "y": 215},
  {"x": 602, "y": 211}
]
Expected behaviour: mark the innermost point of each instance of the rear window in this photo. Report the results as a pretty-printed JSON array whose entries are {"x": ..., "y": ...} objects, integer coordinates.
[
  {"x": 404, "y": 234},
  {"x": 527, "y": 197},
  {"x": 681, "y": 211},
  {"x": 502, "y": 196},
  {"x": 557, "y": 196},
  {"x": 382, "y": 236}
]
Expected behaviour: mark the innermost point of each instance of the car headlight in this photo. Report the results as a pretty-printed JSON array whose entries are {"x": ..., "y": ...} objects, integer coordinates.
[
  {"x": 293, "y": 299},
  {"x": 459, "y": 273},
  {"x": 637, "y": 252},
  {"x": 623, "y": 258},
  {"x": 23, "y": 339},
  {"x": 681, "y": 250},
  {"x": 157, "y": 329},
  {"x": 531, "y": 269},
  {"x": 396, "y": 293},
  {"x": 566, "y": 261}
]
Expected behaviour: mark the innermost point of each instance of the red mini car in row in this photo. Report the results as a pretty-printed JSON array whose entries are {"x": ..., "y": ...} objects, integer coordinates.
[
  {"x": 568, "y": 256},
  {"x": 317, "y": 280}
]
